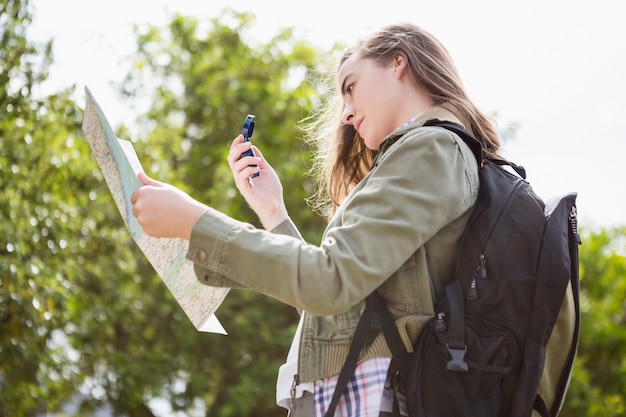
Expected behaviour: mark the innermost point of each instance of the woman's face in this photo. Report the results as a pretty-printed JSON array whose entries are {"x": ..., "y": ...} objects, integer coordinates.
[{"x": 370, "y": 92}]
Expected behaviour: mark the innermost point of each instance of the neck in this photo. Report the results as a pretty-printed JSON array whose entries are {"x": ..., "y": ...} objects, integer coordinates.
[{"x": 413, "y": 108}]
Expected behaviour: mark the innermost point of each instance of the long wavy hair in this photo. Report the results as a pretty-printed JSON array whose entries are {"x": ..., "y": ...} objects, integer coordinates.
[{"x": 342, "y": 159}]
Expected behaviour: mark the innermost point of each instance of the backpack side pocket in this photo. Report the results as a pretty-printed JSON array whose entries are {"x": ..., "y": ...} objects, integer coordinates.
[{"x": 434, "y": 391}]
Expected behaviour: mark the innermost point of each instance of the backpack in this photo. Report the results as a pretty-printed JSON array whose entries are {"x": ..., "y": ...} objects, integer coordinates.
[{"x": 488, "y": 351}]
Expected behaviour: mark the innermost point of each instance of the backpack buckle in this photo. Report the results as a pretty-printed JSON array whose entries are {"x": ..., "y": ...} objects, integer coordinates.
[{"x": 457, "y": 363}]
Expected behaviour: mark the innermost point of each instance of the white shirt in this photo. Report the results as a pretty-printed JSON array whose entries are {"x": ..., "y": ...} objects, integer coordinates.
[{"x": 288, "y": 370}]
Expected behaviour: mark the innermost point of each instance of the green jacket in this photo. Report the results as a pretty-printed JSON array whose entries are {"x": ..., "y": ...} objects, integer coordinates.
[{"x": 397, "y": 232}]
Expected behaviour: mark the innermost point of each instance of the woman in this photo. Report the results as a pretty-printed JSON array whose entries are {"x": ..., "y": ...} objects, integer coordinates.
[{"x": 400, "y": 196}]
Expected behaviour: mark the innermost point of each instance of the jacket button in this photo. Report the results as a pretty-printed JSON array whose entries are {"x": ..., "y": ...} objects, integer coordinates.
[{"x": 201, "y": 256}]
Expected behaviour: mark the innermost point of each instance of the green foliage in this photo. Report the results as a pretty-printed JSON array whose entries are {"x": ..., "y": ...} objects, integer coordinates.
[
  {"x": 81, "y": 310},
  {"x": 597, "y": 387},
  {"x": 208, "y": 81},
  {"x": 41, "y": 221}
]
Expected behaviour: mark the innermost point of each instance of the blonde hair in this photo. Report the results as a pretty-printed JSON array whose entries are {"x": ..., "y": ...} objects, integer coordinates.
[{"x": 342, "y": 160}]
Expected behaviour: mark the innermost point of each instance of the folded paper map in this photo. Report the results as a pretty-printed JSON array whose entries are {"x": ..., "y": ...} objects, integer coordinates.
[{"x": 120, "y": 165}]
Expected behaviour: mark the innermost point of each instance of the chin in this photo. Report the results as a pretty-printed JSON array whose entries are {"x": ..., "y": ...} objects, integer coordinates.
[{"x": 372, "y": 144}]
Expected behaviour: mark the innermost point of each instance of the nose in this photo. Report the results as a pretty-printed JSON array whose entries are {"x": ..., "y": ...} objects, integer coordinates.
[{"x": 348, "y": 114}]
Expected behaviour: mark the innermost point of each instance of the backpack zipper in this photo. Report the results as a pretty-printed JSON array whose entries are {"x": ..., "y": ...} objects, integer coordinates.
[
  {"x": 481, "y": 271},
  {"x": 564, "y": 382},
  {"x": 440, "y": 322},
  {"x": 573, "y": 220}
]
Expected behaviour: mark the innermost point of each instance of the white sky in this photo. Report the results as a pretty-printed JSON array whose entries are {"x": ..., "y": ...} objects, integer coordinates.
[{"x": 555, "y": 67}]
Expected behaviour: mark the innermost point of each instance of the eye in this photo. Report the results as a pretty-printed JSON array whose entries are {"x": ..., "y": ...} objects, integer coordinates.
[{"x": 347, "y": 86}]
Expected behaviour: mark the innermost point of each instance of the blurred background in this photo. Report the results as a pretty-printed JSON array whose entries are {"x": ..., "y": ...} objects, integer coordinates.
[{"x": 86, "y": 326}]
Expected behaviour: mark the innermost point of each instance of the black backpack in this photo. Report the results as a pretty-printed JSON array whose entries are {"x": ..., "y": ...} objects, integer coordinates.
[{"x": 484, "y": 352}]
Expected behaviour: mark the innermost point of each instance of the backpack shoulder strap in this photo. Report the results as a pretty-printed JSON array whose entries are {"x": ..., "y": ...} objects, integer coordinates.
[
  {"x": 374, "y": 305},
  {"x": 358, "y": 341},
  {"x": 475, "y": 145}
]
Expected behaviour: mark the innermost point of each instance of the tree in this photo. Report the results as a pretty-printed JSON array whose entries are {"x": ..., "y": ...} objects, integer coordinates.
[
  {"x": 597, "y": 387},
  {"x": 43, "y": 223},
  {"x": 206, "y": 85},
  {"x": 81, "y": 310}
]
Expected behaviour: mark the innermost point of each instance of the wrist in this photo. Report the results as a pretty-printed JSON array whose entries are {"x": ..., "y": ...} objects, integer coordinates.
[
  {"x": 275, "y": 218},
  {"x": 195, "y": 212}
]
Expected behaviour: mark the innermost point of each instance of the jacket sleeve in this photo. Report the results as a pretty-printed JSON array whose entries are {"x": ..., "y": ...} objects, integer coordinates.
[
  {"x": 423, "y": 181},
  {"x": 215, "y": 280}
]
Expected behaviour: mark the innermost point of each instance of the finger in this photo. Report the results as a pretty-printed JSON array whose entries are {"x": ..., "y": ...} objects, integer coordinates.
[
  {"x": 145, "y": 180},
  {"x": 240, "y": 164},
  {"x": 242, "y": 178},
  {"x": 262, "y": 162},
  {"x": 238, "y": 149},
  {"x": 238, "y": 139},
  {"x": 258, "y": 154}
]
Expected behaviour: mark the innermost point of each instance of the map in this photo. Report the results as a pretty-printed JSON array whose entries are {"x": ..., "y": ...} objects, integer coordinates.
[{"x": 120, "y": 165}]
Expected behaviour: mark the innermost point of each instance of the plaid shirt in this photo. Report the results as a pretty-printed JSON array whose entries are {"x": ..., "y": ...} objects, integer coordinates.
[{"x": 367, "y": 393}]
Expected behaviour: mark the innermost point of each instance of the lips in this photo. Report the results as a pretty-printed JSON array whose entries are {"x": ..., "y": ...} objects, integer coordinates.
[{"x": 357, "y": 126}]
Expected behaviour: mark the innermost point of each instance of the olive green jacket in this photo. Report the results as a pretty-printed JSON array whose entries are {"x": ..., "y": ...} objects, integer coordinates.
[{"x": 397, "y": 232}]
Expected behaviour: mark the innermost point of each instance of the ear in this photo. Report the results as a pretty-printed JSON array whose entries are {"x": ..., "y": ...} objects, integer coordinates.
[{"x": 400, "y": 64}]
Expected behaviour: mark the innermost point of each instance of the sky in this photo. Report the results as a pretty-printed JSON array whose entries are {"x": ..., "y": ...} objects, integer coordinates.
[{"x": 554, "y": 68}]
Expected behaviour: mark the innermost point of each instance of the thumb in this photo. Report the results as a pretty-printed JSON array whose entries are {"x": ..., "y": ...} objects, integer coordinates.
[
  {"x": 263, "y": 162},
  {"x": 258, "y": 153},
  {"x": 145, "y": 180}
]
